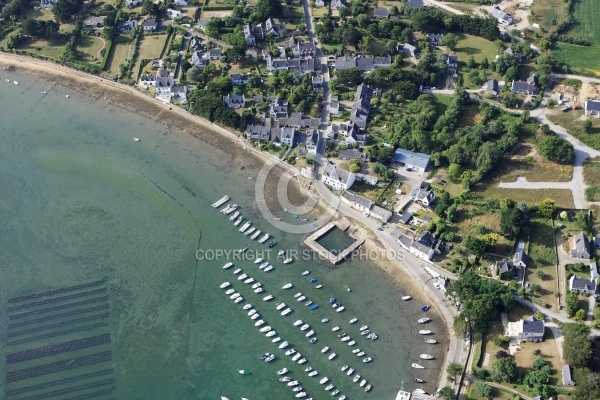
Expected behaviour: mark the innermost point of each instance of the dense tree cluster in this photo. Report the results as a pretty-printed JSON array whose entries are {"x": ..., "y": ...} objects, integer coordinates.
[
  {"x": 587, "y": 384},
  {"x": 432, "y": 20},
  {"x": 480, "y": 146},
  {"x": 577, "y": 347},
  {"x": 13, "y": 9},
  {"x": 207, "y": 103},
  {"x": 482, "y": 299},
  {"x": 64, "y": 10},
  {"x": 557, "y": 149},
  {"x": 37, "y": 28}
]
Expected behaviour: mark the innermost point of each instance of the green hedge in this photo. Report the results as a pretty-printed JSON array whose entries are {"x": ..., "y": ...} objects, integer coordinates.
[{"x": 106, "y": 55}]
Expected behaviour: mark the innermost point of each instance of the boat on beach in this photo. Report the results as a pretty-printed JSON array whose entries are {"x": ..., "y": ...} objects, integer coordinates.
[
  {"x": 418, "y": 366},
  {"x": 424, "y": 308},
  {"x": 426, "y": 357},
  {"x": 405, "y": 298},
  {"x": 431, "y": 341},
  {"x": 221, "y": 201},
  {"x": 424, "y": 320}
]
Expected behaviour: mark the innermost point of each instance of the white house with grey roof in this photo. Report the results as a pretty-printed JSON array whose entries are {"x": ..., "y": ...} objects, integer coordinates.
[
  {"x": 381, "y": 13},
  {"x": 356, "y": 201},
  {"x": 422, "y": 246},
  {"x": 582, "y": 285},
  {"x": 566, "y": 376},
  {"x": 417, "y": 161},
  {"x": 528, "y": 330},
  {"x": 592, "y": 107},
  {"x": 337, "y": 178},
  {"x": 234, "y": 101},
  {"x": 337, "y": 4},
  {"x": 435, "y": 39},
  {"x": 501, "y": 16}
]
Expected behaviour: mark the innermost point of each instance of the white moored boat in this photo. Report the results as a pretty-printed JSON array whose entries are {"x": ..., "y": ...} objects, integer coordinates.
[
  {"x": 247, "y": 306},
  {"x": 424, "y": 320},
  {"x": 288, "y": 260},
  {"x": 245, "y": 226},
  {"x": 271, "y": 333},
  {"x": 249, "y": 280},
  {"x": 290, "y": 352},
  {"x": 280, "y": 306},
  {"x": 364, "y": 327},
  {"x": 256, "y": 234},
  {"x": 298, "y": 294},
  {"x": 306, "y": 273},
  {"x": 242, "y": 277},
  {"x": 237, "y": 271},
  {"x": 259, "y": 290},
  {"x": 225, "y": 284},
  {"x": 268, "y": 297},
  {"x": 367, "y": 359},
  {"x": 263, "y": 265},
  {"x": 258, "y": 261},
  {"x": 324, "y": 380},
  {"x": 304, "y": 327},
  {"x": 406, "y": 298},
  {"x": 228, "y": 265},
  {"x": 221, "y": 201},
  {"x": 424, "y": 332},
  {"x": 332, "y": 356},
  {"x": 255, "y": 316},
  {"x": 325, "y": 350},
  {"x": 426, "y": 357},
  {"x": 264, "y": 238},
  {"x": 310, "y": 333},
  {"x": 256, "y": 285},
  {"x": 350, "y": 371},
  {"x": 415, "y": 365},
  {"x": 313, "y": 373},
  {"x": 340, "y": 309},
  {"x": 238, "y": 221},
  {"x": 239, "y": 300},
  {"x": 249, "y": 231},
  {"x": 431, "y": 341},
  {"x": 265, "y": 329},
  {"x": 287, "y": 286},
  {"x": 268, "y": 268},
  {"x": 335, "y": 329},
  {"x": 259, "y": 322},
  {"x": 353, "y": 320},
  {"x": 234, "y": 216},
  {"x": 282, "y": 371},
  {"x": 301, "y": 298},
  {"x": 230, "y": 291},
  {"x": 298, "y": 322},
  {"x": 296, "y": 357},
  {"x": 284, "y": 345},
  {"x": 286, "y": 311}
]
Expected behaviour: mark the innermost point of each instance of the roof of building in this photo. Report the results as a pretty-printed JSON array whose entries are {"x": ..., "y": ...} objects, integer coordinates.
[
  {"x": 582, "y": 284},
  {"x": 452, "y": 59},
  {"x": 579, "y": 244},
  {"x": 427, "y": 239},
  {"x": 435, "y": 37},
  {"x": 215, "y": 52},
  {"x": 414, "y": 3},
  {"x": 98, "y": 21},
  {"x": 492, "y": 86},
  {"x": 566, "y": 373},
  {"x": 524, "y": 86},
  {"x": 355, "y": 198},
  {"x": 150, "y": 22},
  {"x": 592, "y": 105},
  {"x": 406, "y": 217},
  {"x": 520, "y": 256},
  {"x": 504, "y": 266},
  {"x": 381, "y": 12},
  {"x": 381, "y": 212},
  {"x": 336, "y": 173},
  {"x": 412, "y": 158},
  {"x": 533, "y": 325}
]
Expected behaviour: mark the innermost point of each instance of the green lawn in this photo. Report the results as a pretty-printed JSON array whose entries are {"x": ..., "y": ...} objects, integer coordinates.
[
  {"x": 119, "y": 53},
  {"x": 475, "y": 46},
  {"x": 53, "y": 49},
  {"x": 88, "y": 48},
  {"x": 585, "y": 57},
  {"x": 150, "y": 47},
  {"x": 586, "y": 14},
  {"x": 591, "y": 171},
  {"x": 548, "y": 13}
]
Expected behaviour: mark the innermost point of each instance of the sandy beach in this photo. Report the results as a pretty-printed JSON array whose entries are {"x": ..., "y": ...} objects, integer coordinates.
[{"x": 180, "y": 121}]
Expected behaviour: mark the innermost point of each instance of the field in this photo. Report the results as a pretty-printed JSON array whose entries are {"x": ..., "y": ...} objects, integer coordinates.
[
  {"x": 477, "y": 47},
  {"x": 572, "y": 121},
  {"x": 119, "y": 53},
  {"x": 591, "y": 171},
  {"x": 587, "y": 26},
  {"x": 150, "y": 47},
  {"x": 215, "y": 14},
  {"x": 563, "y": 197},
  {"x": 548, "y": 13},
  {"x": 52, "y": 49},
  {"x": 542, "y": 258},
  {"x": 88, "y": 48}
]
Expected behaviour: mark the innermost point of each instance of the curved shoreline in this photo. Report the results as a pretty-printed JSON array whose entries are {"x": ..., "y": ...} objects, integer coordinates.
[{"x": 48, "y": 68}]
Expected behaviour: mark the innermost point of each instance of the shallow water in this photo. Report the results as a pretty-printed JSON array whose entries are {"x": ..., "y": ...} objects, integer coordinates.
[
  {"x": 81, "y": 202},
  {"x": 336, "y": 241}
]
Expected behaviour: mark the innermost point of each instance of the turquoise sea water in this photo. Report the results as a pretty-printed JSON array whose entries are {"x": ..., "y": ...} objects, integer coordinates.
[{"x": 81, "y": 202}]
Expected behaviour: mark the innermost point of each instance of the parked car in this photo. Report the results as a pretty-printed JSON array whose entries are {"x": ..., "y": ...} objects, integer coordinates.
[{"x": 409, "y": 169}]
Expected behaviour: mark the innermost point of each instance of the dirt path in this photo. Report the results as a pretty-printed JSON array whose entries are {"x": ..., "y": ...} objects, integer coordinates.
[{"x": 100, "y": 55}]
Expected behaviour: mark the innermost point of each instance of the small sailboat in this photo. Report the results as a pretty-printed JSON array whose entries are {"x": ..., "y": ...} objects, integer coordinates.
[
  {"x": 331, "y": 300},
  {"x": 363, "y": 328},
  {"x": 353, "y": 320},
  {"x": 288, "y": 260},
  {"x": 287, "y": 286},
  {"x": 418, "y": 366},
  {"x": 136, "y": 139},
  {"x": 306, "y": 273},
  {"x": 313, "y": 280},
  {"x": 228, "y": 265},
  {"x": 347, "y": 289},
  {"x": 244, "y": 372},
  {"x": 225, "y": 284},
  {"x": 426, "y": 357},
  {"x": 258, "y": 261},
  {"x": 405, "y": 298},
  {"x": 318, "y": 286},
  {"x": 424, "y": 320},
  {"x": 282, "y": 371},
  {"x": 431, "y": 341},
  {"x": 280, "y": 253},
  {"x": 314, "y": 307},
  {"x": 425, "y": 308}
]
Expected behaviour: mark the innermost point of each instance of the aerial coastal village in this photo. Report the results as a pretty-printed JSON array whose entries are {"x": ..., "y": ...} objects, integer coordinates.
[{"x": 465, "y": 134}]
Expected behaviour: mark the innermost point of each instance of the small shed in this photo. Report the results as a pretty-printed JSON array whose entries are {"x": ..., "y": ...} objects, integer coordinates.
[{"x": 566, "y": 376}]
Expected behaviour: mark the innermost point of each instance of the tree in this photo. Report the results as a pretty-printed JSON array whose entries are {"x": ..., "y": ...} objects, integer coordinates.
[
  {"x": 504, "y": 62},
  {"x": 557, "y": 149},
  {"x": 579, "y": 315},
  {"x": 354, "y": 166},
  {"x": 511, "y": 73},
  {"x": 466, "y": 179},
  {"x": 475, "y": 245},
  {"x": 489, "y": 156},
  {"x": 587, "y": 126},
  {"x": 454, "y": 171},
  {"x": 265, "y": 9},
  {"x": 572, "y": 303},
  {"x": 588, "y": 384},
  {"x": 547, "y": 207},
  {"x": 485, "y": 64},
  {"x": 540, "y": 274},
  {"x": 512, "y": 222},
  {"x": 63, "y": 10},
  {"x": 450, "y": 40},
  {"x": 504, "y": 370},
  {"x": 535, "y": 288},
  {"x": 483, "y": 389},
  {"x": 471, "y": 62},
  {"x": 577, "y": 347},
  {"x": 454, "y": 369},
  {"x": 447, "y": 393},
  {"x": 350, "y": 77}
]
